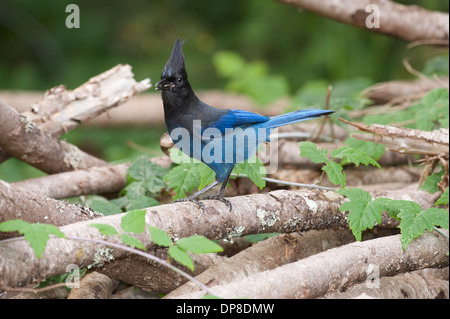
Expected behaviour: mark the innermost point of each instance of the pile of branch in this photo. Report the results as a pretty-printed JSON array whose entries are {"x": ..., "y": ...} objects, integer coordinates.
[
  {"x": 314, "y": 256},
  {"x": 310, "y": 222}
]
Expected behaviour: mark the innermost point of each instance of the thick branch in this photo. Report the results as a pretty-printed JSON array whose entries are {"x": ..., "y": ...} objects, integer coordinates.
[
  {"x": 339, "y": 268},
  {"x": 288, "y": 153},
  {"x": 95, "y": 180},
  {"x": 130, "y": 269},
  {"x": 411, "y": 23},
  {"x": 94, "y": 286},
  {"x": 420, "y": 284},
  {"x": 386, "y": 92},
  {"x": 61, "y": 110},
  {"x": 266, "y": 255},
  {"x": 22, "y": 139},
  {"x": 405, "y": 140},
  {"x": 278, "y": 211},
  {"x": 16, "y": 202}
]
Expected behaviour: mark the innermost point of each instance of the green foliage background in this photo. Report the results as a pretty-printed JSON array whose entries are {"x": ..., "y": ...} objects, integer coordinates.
[
  {"x": 293, "y": 52},
  {"x": 39, "y": 52}
]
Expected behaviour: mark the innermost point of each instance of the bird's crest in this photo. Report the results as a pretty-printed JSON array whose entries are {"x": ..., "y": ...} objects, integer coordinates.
[{"x": 175, "y": 64}]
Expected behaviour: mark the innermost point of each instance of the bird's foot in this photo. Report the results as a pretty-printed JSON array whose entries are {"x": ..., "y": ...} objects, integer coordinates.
[
  {"x": 221, "y": 198},
  {"x": 192, "y": 200}
]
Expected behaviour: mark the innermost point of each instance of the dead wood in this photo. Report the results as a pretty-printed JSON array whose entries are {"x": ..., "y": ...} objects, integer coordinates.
[
  {"x": 55, "y": 291},
  {"x": 277, "y": 211},
  {"x": 151, "y": 276},
  {"x": 339, "y": 268},
  {"x": 405, "y": 140},
  {"x": 268, "y": 254},
  {"x": 411, "y": 23},
  {"x": 420, "y": 284},
  {"x": 288, "y": 153},
  {"x": 22, "y": 139},
  {"x": 131, "y": 113},
  {"x": 16, "y": 202},
  {"x": 362, "y": 177},
  {"x": 396, "y": 91},
  {"x": 94, "y": 285},
  {"x": 95, "y": 180},
  {"x": 61, "y": 110}
]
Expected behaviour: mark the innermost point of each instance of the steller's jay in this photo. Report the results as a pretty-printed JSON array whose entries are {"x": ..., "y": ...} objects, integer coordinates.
[{"x": 218, "y": 137}]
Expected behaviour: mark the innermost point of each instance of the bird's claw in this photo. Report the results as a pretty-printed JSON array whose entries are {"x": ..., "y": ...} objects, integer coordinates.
[
  {"x": 192, "y": 200},
  {"x": 221, "y": 198}
]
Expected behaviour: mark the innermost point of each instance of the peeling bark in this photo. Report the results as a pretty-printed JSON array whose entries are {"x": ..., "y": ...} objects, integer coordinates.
[
  {"x": 31, "y": 207},
  {"x": 266, "y": 255},
  {"x": 277, "y": 211},
  {"x": 338, "y": 268}
]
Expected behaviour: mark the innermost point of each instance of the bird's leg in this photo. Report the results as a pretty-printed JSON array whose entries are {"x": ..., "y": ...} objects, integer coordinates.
[
  {"x": 193, "y": 197},
  {"x": 219, "y": 195}
]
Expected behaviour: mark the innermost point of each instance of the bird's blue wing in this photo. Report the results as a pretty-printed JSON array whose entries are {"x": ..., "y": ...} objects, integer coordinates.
[{"x": 237, "y": 118}]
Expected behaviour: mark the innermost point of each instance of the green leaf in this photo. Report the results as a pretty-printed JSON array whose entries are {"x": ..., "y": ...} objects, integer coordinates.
[
  {"x": 431, "y": 182},
  {"x": 135, "y": 190},
  {"x": 132, "y": 241},
  {"x": 198, "y": 245},
  {"x": 228, "y": 64},
  {"x": 437, "y": 66},
  {"x": 413, "y": 224},
  {"x": 254, "y": 170},
  {"x": 373, "y": 150},
  {"x": 435, "y": 96},
  {"x": 424, "y": 118},
  {"x": 14, "y": 225},
  {"x": 105, "y": 207},
  {"x": 443, "y": 199},
  {"x": 36, "y": 235},
  {"x": 178, "y": 157},
  {"x": 394, "y": 207},
  {"x": 363, "y": 211},
  {"x": 180, "y": 255},
  {"x": 160, "y": 237},
  {"x": 151, "y": 175},
  {"x": 335, "y": 173},
  {"x": 254, "y": 238},
  {"x": 105, "y": 229},
  {"x": 434, "y": 108},
  {"x": 309, "y": 150},
  {"x": 355, "y": 156},
  {"x": 134, "y": 221},
  {"x": 250, "y": 78},
  {"x": 206, "y": 177},
  {"x": 333, "y": 169},
  {"x": 190, "y": 174},
  {"x": 183, "y": 179},
  {"x": 142, "y": 202}
]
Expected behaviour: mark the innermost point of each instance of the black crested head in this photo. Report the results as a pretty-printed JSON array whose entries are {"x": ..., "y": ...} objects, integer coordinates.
[
  {"x": 174, "y": 85},
  {"x": 175, "y": 64}
]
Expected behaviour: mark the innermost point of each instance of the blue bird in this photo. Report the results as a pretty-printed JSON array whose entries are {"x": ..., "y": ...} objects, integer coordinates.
[{"x": 218, "y": 137}]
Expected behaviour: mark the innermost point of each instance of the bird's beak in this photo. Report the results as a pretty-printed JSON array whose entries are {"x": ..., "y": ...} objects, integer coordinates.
[{"x": 164, "y": 85}]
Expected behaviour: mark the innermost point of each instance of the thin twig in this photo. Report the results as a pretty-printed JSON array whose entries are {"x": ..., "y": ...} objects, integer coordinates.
[
  {"x": 118, "y": 246},
  {"x": 325, "y": 119},
  {"x": 273, "y": 180},
  {"x": 441, "y": 232},
  {"x": 35, "y": 290},
  {"x": 149, "y": 256}
]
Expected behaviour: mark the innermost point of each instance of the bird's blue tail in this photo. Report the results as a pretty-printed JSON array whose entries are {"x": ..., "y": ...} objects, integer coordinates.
[{"x": 294, "y": 117}]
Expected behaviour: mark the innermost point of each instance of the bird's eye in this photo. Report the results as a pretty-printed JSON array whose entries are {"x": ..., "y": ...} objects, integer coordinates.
[{"x": 180, "y": 79}]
